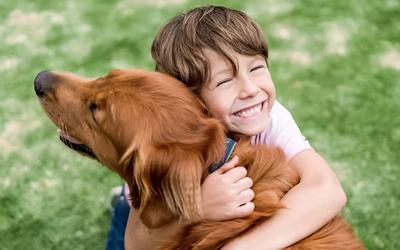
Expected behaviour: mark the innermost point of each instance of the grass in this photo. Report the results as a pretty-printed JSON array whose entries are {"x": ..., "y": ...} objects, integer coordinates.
[{"x": 335, "y": 65}]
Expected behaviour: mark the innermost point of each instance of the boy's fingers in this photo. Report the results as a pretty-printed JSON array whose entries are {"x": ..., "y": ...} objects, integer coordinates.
[
  {"x": 245, "y": 210},
  {"x": 236, "y": 174},
  {"x": 229, "y": 165},
  {"x": 246, "y": 196},
  {"x": 244, "y": 183}
]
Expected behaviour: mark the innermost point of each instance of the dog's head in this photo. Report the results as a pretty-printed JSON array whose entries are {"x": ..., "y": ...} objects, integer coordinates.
[{"x": 145, "y": 126}]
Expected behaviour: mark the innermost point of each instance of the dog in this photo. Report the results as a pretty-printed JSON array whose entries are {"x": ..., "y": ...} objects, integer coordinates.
[{"x": 156, "y": 135}]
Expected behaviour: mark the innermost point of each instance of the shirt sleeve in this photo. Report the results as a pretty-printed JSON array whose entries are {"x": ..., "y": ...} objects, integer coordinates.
[{"x": 283, "y": 132}]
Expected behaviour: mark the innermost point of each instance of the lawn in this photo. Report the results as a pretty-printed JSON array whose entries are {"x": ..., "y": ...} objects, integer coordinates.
[{"x": 336, "y": 66}]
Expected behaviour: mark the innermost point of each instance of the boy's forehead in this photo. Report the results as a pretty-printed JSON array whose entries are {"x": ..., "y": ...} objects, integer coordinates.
[{"x": 216, "y": 60}]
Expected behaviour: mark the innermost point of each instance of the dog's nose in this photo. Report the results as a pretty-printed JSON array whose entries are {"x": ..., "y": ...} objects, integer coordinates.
[{"x": 42, "y": 82}]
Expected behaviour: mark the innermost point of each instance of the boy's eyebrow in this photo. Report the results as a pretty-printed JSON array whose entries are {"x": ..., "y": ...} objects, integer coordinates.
[
  {"x": 225, "y": 70},
  {"x": 257, "y": 58}
]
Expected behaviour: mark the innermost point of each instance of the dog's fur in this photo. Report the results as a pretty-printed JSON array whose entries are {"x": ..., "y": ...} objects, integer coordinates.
[{"x": 151, "y": 130}]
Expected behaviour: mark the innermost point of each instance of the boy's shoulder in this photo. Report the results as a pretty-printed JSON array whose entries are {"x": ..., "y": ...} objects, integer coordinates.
[
  {"x": 277, "y": 116},
  {"x": 282, "y": 131},
  {"x": 279, "y": 110}
]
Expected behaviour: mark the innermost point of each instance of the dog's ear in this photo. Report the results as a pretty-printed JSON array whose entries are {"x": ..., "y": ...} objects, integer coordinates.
[{"x": 169, "y": 181}]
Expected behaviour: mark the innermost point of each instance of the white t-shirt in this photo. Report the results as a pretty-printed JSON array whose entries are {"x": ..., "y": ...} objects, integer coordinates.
[{"x": 282, "y": 131}]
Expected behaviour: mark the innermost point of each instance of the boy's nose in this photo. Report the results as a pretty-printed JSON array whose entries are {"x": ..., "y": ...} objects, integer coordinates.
[{"x": 248, "y": 89}]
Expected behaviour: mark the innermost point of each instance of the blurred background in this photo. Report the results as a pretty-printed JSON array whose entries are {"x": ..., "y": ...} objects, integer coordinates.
[{"x": 336, "y": 66}]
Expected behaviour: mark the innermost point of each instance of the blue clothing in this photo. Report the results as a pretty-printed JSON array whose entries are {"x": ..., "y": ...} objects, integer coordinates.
[{"x": 115, "y": 240}]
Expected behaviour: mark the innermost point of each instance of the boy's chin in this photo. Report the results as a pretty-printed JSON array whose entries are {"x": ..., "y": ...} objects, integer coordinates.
[{"x": 250, "y": 130}]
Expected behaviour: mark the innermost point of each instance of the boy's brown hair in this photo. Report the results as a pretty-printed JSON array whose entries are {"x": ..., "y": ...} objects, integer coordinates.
[{"x": 178, "y": 47}]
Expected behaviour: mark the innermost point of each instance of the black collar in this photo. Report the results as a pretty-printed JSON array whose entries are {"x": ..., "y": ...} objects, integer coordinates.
[{"x": 230, "y": 146}]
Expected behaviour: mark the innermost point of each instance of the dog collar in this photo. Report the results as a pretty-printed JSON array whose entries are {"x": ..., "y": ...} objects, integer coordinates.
[{"x": 229, "y": 147}]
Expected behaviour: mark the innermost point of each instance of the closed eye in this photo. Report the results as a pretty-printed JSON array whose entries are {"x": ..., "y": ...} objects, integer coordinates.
[
  {"x": 223, "y": 81},
  {"x": 257, "y": 68}
]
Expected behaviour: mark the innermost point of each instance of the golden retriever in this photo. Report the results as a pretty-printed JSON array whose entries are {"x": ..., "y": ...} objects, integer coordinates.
[{"x": 152, "y": 131}]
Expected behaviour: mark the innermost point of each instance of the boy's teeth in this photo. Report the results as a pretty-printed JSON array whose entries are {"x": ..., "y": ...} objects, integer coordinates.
[{"x": 249, "y": 112}]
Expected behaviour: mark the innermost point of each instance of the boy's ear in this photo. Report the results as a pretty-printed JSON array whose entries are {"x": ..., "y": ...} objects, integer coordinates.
[{"x": 169, "y": 186}]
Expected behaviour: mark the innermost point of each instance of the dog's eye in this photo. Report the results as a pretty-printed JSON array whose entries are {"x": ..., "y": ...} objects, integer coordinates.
[{"x": 93, "y": 107}]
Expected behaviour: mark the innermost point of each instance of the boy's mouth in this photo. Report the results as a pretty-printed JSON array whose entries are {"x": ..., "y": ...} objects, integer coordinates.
[{"x": 250, "y": 111}]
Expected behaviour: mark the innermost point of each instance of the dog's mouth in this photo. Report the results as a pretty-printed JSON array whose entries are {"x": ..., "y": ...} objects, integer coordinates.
[{"x": 75, "y": 144}]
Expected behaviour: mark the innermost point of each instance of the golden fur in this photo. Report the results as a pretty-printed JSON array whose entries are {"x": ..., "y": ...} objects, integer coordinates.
[{"x": 152, "y": 131}]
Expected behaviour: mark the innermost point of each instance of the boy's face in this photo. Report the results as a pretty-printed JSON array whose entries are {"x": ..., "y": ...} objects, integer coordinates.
[{"x": 241, "y": 102}]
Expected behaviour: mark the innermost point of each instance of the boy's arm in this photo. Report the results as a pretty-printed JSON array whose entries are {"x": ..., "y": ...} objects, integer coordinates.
[{"x": 309, "y": 205}]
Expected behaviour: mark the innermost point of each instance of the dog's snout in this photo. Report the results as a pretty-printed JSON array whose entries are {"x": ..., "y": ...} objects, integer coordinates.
[{"x": 42, "y": 82}]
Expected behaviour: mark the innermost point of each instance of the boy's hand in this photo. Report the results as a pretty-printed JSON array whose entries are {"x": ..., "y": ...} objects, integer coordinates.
[{"x": 226, "y": 193}]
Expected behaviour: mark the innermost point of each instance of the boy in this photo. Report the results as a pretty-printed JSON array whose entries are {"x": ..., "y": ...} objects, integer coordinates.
[{"x": 221, "y": 55}]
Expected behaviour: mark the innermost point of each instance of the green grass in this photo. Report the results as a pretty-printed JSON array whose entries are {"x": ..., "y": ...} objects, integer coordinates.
[{"x": 336, "y": 65}]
